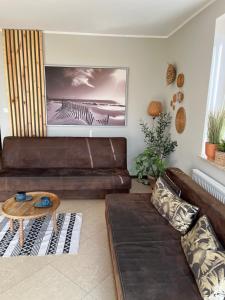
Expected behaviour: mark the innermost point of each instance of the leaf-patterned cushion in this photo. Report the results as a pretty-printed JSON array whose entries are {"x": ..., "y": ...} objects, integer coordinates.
[
  {"x": 208, "y": 267},
  {"x": 201, "y": 236},
  {"x": 178, "y": 212}
]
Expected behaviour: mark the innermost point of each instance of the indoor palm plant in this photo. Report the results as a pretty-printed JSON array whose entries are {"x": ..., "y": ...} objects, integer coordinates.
[
  {"x": 215, "y": 126},
  {"x": 152, "y": 161}
]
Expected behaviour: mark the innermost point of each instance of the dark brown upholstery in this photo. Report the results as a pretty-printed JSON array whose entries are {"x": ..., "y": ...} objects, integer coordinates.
[
  {"x": 66, "y": 166},
  {"x": 193, "y": 193},
  {"x": 146, "y": 251},
  {"x": 148, "y": 254},
  {"x": 64, "y": 152}
]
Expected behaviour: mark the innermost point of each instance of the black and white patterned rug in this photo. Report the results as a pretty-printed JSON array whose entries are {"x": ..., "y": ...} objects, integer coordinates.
[{"x": 39, "y": 236}]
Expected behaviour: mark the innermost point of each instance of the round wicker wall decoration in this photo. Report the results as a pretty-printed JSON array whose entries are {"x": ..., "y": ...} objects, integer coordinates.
[
  {"x": 180, "y": 97},
  {"x": 180, "y": 121},
  {"x": 171, "y": 74},
  {"x": 180, "y": 80}
]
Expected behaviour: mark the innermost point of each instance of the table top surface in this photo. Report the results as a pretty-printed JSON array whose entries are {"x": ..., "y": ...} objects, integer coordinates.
[{"x": 25, "y": 210}]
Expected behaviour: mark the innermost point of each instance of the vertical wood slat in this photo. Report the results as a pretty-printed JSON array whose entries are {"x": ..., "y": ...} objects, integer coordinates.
[
  {"x": 44, "y": 122},
  {"x": 27, "y": 82},
  {"x": 14, "y": 83},
  {"x": 25, "y": 79},
  {"x": 34, "y": 83},
  {"x": 39, "y": 104},
  {"x": 17, "y": 53},
  {"x": 30, "y": 71},
  {"x": 8, "y": 76}
]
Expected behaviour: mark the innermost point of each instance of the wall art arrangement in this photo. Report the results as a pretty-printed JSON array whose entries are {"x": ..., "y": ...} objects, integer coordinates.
[
  {"x": 178, "y": 96},
  {"x": 90, "y": 96}
]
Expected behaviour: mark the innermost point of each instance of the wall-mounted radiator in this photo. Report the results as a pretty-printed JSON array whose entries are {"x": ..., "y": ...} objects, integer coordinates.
[{"x": 209, "y": 184}]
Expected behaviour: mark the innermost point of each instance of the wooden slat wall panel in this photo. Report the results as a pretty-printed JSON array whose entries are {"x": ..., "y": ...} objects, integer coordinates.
[{"x": 25, "y": 79}]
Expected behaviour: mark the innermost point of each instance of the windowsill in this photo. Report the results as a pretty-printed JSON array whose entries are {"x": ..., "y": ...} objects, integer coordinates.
[{"x": 212, "y": 163}]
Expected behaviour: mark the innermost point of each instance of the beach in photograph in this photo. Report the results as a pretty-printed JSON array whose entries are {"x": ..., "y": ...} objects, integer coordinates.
[{"x": 86, "y": 96}]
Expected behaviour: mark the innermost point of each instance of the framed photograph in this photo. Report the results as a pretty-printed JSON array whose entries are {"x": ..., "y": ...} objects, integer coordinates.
[{"x": 91, "y": 96}]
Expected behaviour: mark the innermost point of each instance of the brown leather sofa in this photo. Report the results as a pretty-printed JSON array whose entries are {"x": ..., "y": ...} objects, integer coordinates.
[
  {"x": 148, "y": 260},
  {"x": 71, "y": 167}
]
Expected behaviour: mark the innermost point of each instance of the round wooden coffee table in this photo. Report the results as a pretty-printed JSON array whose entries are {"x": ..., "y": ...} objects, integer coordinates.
[{"x": 24, "y": 210}]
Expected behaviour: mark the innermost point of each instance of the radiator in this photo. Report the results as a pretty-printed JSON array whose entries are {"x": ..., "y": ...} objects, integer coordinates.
[{"x": 209, "y": 184}]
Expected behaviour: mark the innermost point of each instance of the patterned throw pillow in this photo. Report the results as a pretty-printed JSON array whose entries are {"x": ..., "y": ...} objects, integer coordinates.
[
  {"x": 202, "y": 237},
  {"x": 178, "y": 212},
  {"x": 208, "y": 267}
]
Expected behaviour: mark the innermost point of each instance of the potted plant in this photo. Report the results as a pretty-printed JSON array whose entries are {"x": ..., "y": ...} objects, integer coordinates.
[
  {"x": 220, "y": 154},
  {"x": 215, "y": 126},
  {"x": 151, "y": 163},
  {"x": 149, "y": 166}
]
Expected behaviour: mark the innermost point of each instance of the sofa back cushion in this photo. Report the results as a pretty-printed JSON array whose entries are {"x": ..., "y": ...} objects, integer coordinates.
[
  {"x": 64, "y": 152},
  {"x": 178, "y": 212},
  {"x": 207, "y": 204}
]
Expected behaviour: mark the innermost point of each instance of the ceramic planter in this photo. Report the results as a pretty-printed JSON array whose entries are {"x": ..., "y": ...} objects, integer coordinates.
[{"x": 210, "y": 151}]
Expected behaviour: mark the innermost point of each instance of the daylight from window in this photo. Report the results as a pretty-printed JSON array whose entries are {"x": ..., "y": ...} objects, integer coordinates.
[{"x": 216, "y": 93}]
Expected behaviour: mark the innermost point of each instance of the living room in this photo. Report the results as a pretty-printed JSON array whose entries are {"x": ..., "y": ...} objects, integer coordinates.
[{"x": 83, "y": 92}]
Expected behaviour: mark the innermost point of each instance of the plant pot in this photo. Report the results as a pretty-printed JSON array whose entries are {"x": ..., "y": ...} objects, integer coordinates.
[
  {"x": 210, "y": 151},
  {"x": 220, "y": 158},
  {"x": 152, "y": 182}
]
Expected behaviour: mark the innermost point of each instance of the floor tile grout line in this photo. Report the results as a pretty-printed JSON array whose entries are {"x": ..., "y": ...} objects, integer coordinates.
[
  {"x": 91, "y": 291},
  {"x": 75, "y": 283},
  {"x": 24, "y": 279}
]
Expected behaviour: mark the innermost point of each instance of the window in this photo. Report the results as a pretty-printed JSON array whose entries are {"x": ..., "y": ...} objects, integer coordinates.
[{"x": 216, "y": 94}]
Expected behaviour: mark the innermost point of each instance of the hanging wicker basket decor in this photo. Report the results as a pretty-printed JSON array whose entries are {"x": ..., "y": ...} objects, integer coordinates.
[
  {"x": 180, "y": 97},
  {"x": 180, "y": 80},
  {"x": 171, "y": 74},
  {"x": 180, "y": 121}
]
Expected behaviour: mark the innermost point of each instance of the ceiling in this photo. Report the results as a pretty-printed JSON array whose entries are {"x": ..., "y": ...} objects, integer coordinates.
[{"x": 110, "y": 17}]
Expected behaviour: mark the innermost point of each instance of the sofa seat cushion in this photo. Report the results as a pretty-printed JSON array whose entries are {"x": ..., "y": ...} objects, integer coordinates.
[
  {"x": 63, "y": 179},
  {"x": 148, "y": 253}
]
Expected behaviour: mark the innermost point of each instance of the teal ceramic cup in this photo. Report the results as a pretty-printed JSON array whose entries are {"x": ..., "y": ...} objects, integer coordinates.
[
  {"x": 45, "y": 200},
  {"x": 21, "y": 196}
]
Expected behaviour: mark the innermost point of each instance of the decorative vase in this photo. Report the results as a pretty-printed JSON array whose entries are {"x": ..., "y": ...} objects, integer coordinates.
[
  {"x": 210, "y": 151},
  {"x": 152, "y": 182}
]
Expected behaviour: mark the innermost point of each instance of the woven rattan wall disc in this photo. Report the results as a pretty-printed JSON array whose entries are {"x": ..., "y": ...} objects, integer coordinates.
[
  {"x": 180, "y": 80},
  {"x": 171, "y": 74},
  {"x": 180, "y": 121}
]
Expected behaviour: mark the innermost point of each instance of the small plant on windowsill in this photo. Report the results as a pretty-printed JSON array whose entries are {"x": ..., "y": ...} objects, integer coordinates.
[
  {"x": 215, "y": 126},
  {"x": 151, "y": 163},
  {"x": 220, "y": 154}
]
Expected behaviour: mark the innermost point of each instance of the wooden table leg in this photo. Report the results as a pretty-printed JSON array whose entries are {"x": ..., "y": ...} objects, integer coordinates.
[
  {"x": 11, "y": 224},
  {"x": 21, "y": 233},
  {"x": 54, "y": 222}
]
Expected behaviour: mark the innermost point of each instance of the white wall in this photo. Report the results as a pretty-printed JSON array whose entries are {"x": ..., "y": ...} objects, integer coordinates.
[
  {"x": 145, "y": 59},
  {"x": 191, "y": 50}
]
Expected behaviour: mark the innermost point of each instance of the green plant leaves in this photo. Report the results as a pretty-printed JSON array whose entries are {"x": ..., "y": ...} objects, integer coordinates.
[
  {"x": 152, "y": 161},
  {"x": 216, "y": 121}
]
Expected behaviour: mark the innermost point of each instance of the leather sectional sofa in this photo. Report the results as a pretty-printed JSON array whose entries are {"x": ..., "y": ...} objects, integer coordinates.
[
  {"x": 148, "y": 260},
  {"x": 71, "y": 167}
]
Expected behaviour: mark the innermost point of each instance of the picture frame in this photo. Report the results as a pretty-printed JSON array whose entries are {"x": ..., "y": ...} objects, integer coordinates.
[{"x": 86, "y": 95}]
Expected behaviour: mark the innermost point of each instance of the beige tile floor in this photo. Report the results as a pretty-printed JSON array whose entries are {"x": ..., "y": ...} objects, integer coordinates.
[{"x": 87, "y": 275}]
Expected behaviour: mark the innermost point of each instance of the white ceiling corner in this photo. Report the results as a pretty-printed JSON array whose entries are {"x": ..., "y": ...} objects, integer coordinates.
[{"x": 125, "y": 18}]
